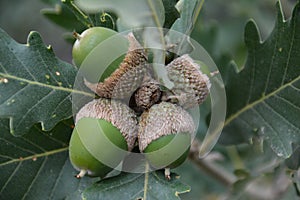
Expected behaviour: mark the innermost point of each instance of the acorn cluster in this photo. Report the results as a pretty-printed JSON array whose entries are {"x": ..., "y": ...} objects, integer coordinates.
[{"x": 133, "y": 111}]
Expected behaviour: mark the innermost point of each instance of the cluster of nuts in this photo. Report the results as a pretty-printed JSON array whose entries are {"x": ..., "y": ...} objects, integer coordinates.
[{"x": 155, "y": 120}]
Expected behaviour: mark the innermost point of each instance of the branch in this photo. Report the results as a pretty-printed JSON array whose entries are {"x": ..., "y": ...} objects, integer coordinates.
[{"x": 209, "y": 167}]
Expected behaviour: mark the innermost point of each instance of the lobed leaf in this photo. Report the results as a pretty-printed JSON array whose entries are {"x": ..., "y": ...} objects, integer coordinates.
[
  {"x": 189, "y": 11},
  {"x": 63, "y": 16},
  {"x": 137, "y": 186},
  {"x": 35, "y": 86},
  {"x": 263, "y": 98},
  {"x": 38, "y": 165}
]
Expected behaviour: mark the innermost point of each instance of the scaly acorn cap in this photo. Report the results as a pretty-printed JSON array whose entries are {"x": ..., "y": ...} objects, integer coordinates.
[
  {"x": 163, "y": 119},
  {"x": 147, "y": 94},
  {"x": 127, "y": 77},
  {"x": 115, "y": 112},
  {"x": 191, "y": 86}
]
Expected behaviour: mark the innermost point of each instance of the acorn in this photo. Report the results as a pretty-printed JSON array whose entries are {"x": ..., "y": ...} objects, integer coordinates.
[
  {"x": 191, "y": 86},
  {"x": 147, "y": 94},
  {"x": 96, "y": 122},
  {"x": 87, "y": 41},
  {"x": 127, "y": 77},
  {"x": 165, "y": 134}
]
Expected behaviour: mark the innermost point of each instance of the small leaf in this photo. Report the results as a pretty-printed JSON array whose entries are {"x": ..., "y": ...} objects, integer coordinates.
[
  {"x": 35, "y": 86},
  {"x": 137, "y": 186},
  {"x": 171, "y": 13},
  {"x": 37, "y": 164},
  {"x": 189, "y": 12},
  {"x": 188, "y": 15},
  {"x": 67, "y": 15},
  {"x": 132, "y": 13},
  {"x": 263, "y": 98},
  {"x": 62, "y": 16}
]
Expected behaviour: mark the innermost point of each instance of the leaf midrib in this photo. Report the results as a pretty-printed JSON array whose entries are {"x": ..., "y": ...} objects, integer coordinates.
[
  {"x": 45, "y": 154},
  {"x": 59, "y": 88},
  {"x": 254, "y": 103}
]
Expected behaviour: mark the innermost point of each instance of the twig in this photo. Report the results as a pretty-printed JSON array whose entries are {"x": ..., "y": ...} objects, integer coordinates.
[{"x": 209, "y": 167}]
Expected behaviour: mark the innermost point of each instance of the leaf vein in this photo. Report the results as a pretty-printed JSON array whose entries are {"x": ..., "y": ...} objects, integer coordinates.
[
  {"x": 22, "y": 64},
  {"x": 35, "y": 178},
  {"x": 35, "y": 105},
  {"x": 21, "y": 148},
  {"x": 45, "y": 85},
  {"x": 278, "y": 114},
  {"x": 263, "y": 98},
  {"x": 57, "y": 180},
  {"x": 289, "y": 54},
  {"x": 252, "y": 80},
  {"x": 33, "y": 144},
  {"x": 36, "y": 156},
  {"x": 60, "y": 103},
  {"x": 271, "y": 64},
  {"x": 295, "y": 88},
  {"x": 287, "y": 101},
  {"x": 120, "y": 184},
  {"x": 270, "y": 126},
  {"x": 10, "y": 177}
]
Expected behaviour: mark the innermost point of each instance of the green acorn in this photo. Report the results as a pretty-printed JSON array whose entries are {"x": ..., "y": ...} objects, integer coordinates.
[
  {"x": 87, "y": 41},
  {"x": 165, "y": 134},
  {"x": 121, "y": 82},
  {"x": 96, "y": 122},
  {"x": 191, "y": 86}
]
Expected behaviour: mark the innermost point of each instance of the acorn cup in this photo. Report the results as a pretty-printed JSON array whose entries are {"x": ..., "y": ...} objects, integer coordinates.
[
  {"x": 104, "y": 131},
  {"x": 147, "y": 94},
  {"x": 127, "y": 77},
  {"x": 191, "y": 86},
  {"x": 165, "y": 134}
]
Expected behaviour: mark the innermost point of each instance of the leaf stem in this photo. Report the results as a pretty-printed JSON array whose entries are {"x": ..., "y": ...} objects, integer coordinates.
[
  {"x": 235, "y": 157},
  {"x": 146, "y": 181}
]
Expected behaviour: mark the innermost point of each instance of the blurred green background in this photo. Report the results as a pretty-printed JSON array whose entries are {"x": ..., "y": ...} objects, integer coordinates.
[
  {"x": 220, "y": 29},
  {"x": 19, "y": 17}
]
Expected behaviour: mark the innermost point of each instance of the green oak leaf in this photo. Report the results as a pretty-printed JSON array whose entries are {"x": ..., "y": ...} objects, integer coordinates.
[
  {"x": 263, "y": 98},
  {"x": 67, "y": 15},
  {"x": 64, "y": 17},
  {"x": 171, "y": 13},
  {"x": 36, "y": 166},
  {"x": 189, "y": 11},
  {"x": 131, "y": 13},
  {"x": 137, "y": 186},
  {"x": 35, "y": 86}
]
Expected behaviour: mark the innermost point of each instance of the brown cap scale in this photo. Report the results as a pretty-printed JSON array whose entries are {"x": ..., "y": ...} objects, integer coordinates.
[
  {"x": 191, "y": 86},
  {"x": 161, "y": 120},
  {"x": 147, "y": 94},
  {"x": 115, "y": 112},
  {"x": 129, "y": 75}
]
